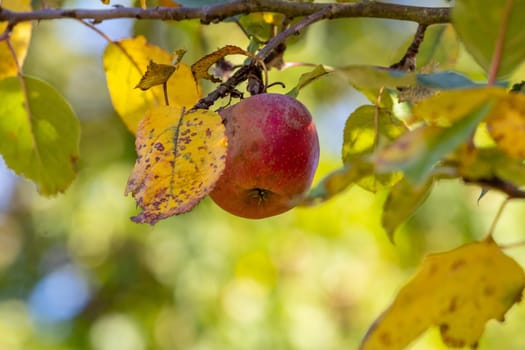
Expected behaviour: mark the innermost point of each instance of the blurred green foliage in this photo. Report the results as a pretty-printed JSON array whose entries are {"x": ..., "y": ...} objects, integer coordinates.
[{"x": 313, "y": 278}]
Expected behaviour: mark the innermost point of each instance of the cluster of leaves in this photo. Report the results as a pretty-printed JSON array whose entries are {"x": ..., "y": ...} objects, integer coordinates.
[{"x": 455, "y": 128}]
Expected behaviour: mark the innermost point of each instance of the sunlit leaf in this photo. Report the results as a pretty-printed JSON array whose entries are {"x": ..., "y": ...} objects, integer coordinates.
[
  {"x": 201, "y": 67},
  {"x": 416, "y": 152},
  {"x": 336, "y": 182},
  {"x": 479, "y": 24},
  {"x": 20, "y": 37},
  {"x": 506, "y": 124},
  {"x": 402, "y": 201},
  {"x": 307, "y": 78},
  {"x": 447, "y": 107},
  {"x": 457, "y": 291},
  {"x": 180, "y": 156},
  {"x": 39, "y": 136},
  {"x": 359, "y": 141},
  {"x": 125, "y": 62}
]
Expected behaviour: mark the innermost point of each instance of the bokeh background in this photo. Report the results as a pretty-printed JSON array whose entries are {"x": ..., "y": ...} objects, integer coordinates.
[{"x": 76, "y": 273}]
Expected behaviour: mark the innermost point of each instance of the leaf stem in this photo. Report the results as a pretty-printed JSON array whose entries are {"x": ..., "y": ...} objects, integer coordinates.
[
  {"x": 498, "y": 49},
  {"x": 165, "y": 91}
]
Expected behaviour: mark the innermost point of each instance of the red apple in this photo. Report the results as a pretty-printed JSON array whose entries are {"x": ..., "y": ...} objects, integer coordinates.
[{"x": 273, "y": 151}]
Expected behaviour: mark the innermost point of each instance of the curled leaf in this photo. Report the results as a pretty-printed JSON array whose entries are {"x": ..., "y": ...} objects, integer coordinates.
[
  {"x": 180, "y": 157},
  {"x": 201, "y": 67},
  {"x": 156, "y": 74}
]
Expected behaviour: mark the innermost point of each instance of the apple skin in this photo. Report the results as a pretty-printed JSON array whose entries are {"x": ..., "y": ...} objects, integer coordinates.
[{"x": 273, "y": 152}]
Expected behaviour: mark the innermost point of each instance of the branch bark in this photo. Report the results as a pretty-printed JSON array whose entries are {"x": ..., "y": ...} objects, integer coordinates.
[{"x": 217, "y": 13}]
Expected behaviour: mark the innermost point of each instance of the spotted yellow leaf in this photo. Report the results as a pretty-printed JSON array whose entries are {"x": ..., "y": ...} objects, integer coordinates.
[
  {"x": 20, "y": 37},
  {"x": 201, "y": 67},
  {"x": 506, "y": 124},
  {"x": 125, "y": 63},
  {"x": 457, "y": 291},
  {"x": 180, "y": 156}
]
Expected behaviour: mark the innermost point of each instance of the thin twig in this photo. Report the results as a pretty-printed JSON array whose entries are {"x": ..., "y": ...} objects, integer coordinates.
[
  {"x": 500, "y": 185},
  {"x": 408, "y": 61}
]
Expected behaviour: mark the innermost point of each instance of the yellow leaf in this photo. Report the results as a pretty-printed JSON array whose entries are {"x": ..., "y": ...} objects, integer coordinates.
[
  {"x": 19, "y": 38},
  {"x": 180, "y": 157},
  {"x": 457, "y": 291},
  {"x": 125, "y": 63},
  {"x": 200, "y": 68},
  {"x": 506, "y": 124},
  {"x": 448, "y": 107}
]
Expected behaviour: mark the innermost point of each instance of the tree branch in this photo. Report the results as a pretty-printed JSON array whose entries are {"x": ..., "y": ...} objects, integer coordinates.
[
  {"x": 217, "y": 13},
  {"x": 500, "y": 185}
]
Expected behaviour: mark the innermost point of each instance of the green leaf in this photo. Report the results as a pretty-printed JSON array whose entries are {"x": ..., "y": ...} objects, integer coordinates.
[
  {"x": 480, "y": 24},
  {"x": 402, "y": 201},
  {"x": 307, "y": 78},
  {"x": 416, "y": 152},
  {"x": 39, "y": 133},
  {"x": 359, "y": 142}
]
